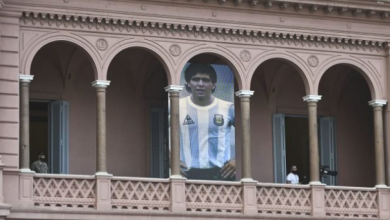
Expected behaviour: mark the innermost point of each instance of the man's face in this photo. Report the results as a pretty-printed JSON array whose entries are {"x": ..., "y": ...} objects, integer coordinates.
[
  {"x": 294, "y": 169},
  {"x": 201, "y": 86}
]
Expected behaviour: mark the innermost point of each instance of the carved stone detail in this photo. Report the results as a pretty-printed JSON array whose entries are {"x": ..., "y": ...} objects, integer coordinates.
[
  {"x": 102, "y": 44},
  {"x": 186, "y": 31},
  {"x": 245, "y": 56},
  {"x": 175, "y": 50},
  {"x": 313, "y": 61}
]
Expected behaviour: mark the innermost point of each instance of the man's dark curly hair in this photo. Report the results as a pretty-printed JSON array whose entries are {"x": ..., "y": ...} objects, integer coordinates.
[{"x": 194, "y": 68}]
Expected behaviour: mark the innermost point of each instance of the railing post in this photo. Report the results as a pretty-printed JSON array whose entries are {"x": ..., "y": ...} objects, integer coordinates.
[
  {"x": 178, "y": 197},
  {"x": 26, "y": 182},
  {"x": 318, "y": 200},
  {"x": 383, "y": 202},
  {"x": 249, "y": 197},
  {"x": 103, "y": 192}
]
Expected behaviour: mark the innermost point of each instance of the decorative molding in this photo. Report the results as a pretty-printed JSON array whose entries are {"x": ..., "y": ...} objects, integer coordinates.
[
  {"x": 175, "y": 50},
  {"x": 191, "y": 31},
  {"x": 244, "y": 93},
  {"x": 313, "y": 61},
  {"x": 312, "y": 98},
  {"x": 25, "y": 78},
  {"x": 245, "y": 56},
  {"x": 373, "y": 9},
  {"x": 100, "y": 83},
  {"x": 174, "y": 88},
  {"x": 377, "y": 102},
  {"x": 101, "y": 44}
]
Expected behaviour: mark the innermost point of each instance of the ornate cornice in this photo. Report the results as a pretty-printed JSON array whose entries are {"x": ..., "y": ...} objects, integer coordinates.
[
  {"x": 201, "y": 32},
  {"x": 369, "y": 8}
]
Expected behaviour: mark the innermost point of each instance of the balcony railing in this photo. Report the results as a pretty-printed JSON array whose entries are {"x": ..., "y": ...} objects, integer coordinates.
[
  {"x": 194, "y": 196},
  {"x": 351, "y": 202}
]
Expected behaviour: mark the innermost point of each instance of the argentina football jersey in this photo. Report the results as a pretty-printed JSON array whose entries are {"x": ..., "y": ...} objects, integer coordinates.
[{"x": 205, "y": 133}]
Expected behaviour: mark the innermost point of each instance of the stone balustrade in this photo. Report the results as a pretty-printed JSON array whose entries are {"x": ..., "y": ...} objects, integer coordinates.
[{"x": 129, "y": 194}]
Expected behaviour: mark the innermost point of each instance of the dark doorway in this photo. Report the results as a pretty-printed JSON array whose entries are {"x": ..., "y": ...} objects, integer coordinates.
[
  {"x": 39, "y": 130},
  {"x": 297, "y": 146},
  {"x": 49, "y": 133},
  {"x": 159, "y": 147}
]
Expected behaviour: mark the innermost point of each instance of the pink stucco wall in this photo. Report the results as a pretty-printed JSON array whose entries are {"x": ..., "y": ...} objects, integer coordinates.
[
  {"x": 9, "y": 91},
  {"x": 128, "y": 99},
  {"x": 137, "y": 82},
  {"x": 344, "y": 99}
]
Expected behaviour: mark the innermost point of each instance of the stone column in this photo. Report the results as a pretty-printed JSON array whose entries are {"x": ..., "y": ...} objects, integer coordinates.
[
  {"x": 25, "y": 122},
  {"x": 379, "y": 146},
  {"x": 174, "y": 91},
  {"x": 313, "y": 138},
  {"x": 245, "y": 132},
  {"x": 101, "y": 163}
]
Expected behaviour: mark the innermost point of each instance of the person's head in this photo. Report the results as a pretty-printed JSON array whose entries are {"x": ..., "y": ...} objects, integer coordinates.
[
  {"x": 200, "y": 80},
  {"x": 41, "y": 155},
  {"x": 294, "y": 169}
]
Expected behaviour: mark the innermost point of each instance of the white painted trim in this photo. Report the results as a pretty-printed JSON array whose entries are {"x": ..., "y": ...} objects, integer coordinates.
[
  {"x": 312, "y": 98},
  {"x": 177, "y": 177},
  {"x": 26, "y": 170},
  {"x": 100, "y": 83},
  {"x": 173, "y": 88},
  {"x": 382, "y": 186},
  {"x": 25, "y": 78},
  {"x": 245, "y": 93},
  {"x": 377, "y": 102},
  {"x": 248, "y": 180},
  {"x": 103, "y": 174},
  {"x": 317, "y": 183}
]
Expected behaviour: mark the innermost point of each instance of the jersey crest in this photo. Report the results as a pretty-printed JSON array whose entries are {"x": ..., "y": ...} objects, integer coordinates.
[
  {"x": 188, "y": 120},
  {"x": 218, "y": 120}
]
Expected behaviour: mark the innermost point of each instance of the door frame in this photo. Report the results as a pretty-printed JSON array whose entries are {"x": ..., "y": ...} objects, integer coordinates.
[{"x": 279, "y": 154}]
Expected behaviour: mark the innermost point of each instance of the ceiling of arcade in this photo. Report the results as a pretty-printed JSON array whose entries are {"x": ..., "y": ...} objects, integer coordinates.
[
  {"x": 63, "y": 64},
  {"x": 175, "y": 41}
]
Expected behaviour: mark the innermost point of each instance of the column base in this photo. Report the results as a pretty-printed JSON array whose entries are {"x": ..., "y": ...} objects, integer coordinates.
[
  {"x": 178, "y": 188},
  {"x": 317, "y": 183},
  {"x": 177, "y": 177},
  {"x": 26, "y": 170},
  {"x": 318, "y": 200},
  {"x": 103, "y": 174},
  {"x": 247, "y": 180},
  {"x": 249, "y": 188},
  {"x": 381, "y": 186},
  {"x": 5, "y": 210}
]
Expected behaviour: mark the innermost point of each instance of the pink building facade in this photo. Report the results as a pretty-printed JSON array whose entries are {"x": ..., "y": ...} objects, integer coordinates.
[{"x": 88, "y": 83}]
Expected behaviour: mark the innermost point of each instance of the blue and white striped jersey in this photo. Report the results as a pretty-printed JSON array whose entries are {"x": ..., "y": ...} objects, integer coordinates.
[{"x": 205, "y": 133}]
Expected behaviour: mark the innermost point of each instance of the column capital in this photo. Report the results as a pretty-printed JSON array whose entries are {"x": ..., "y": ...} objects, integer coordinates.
[
  {"x": 173, "y": 88},
  {"x": 25, "y": 78},
  {"x": 377, "y": 102},
  {"x": 100, "y": 83},
  {"x": 312, "y": 98},
  {"x": 245, "y": 93}
]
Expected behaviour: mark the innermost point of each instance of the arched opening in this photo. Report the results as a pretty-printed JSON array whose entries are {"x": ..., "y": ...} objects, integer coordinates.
[
  {"x": 208, "y": 110},
  {"x": 345, "y": 95},
  {"x": 137, "y": 115},
  {"x": 279, "y": 123},
  {"x": 62, "y": 108}
]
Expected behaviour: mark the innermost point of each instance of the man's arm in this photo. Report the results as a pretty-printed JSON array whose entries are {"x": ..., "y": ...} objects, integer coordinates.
[{"x": 288, "y": 179}]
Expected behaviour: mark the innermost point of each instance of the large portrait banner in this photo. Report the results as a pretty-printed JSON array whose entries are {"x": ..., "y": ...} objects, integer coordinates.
[{"x": 207, "y": 134}]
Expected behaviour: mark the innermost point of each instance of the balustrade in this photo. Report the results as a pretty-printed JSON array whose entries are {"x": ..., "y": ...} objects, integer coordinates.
[{"x": 195, "y": 196}]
